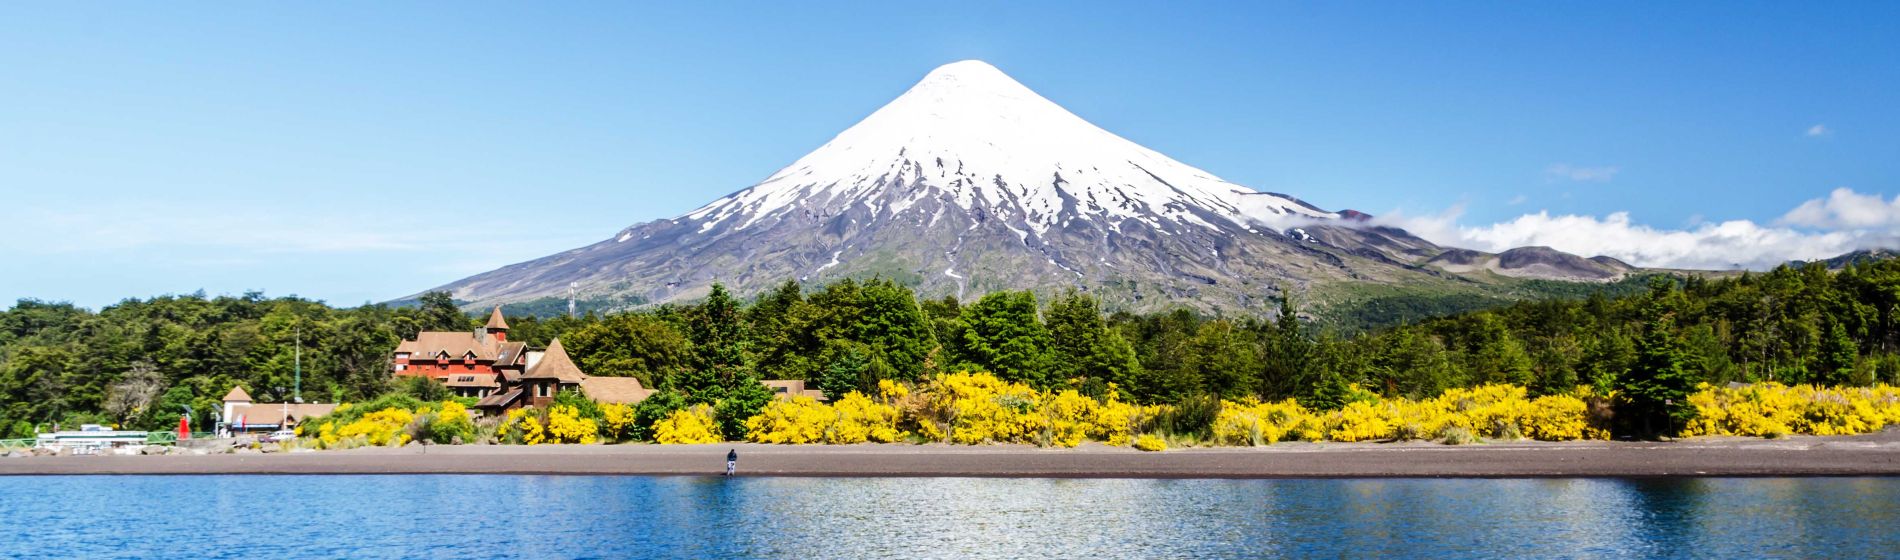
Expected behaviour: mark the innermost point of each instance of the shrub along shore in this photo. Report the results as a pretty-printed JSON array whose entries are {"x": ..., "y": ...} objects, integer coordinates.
[{"x": 980, "y": 408}]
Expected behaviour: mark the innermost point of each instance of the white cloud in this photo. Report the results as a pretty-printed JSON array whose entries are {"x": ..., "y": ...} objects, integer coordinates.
[
  {"x": 1581, "y": 174},
  {"x": 1516, "y": 200},
  {"x": 1845, "y": 209},
  {"x": 1819, "y": 130},
  {"x": 1818, "y": 229}
]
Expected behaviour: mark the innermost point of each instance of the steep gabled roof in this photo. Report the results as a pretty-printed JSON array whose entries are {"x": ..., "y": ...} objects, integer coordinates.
[
  {"x": 495, "y": 322},
  {"x": 499, "y": 399},
  {"x": 510, "y": 353},
  {"x": 273, "y": 414},
  {"x": 614, "y": 390},
  {"x": 554, "y": 364},
  {"x": 429, "y": 344},
  {"x": 237, "y": 394}
]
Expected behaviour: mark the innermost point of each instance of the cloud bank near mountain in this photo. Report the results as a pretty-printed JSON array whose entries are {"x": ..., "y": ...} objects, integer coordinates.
[{"x": 1843, "y": 221}]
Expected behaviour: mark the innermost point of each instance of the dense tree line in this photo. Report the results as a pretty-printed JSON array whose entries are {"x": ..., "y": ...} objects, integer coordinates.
[{"x": 141, "y": 362}]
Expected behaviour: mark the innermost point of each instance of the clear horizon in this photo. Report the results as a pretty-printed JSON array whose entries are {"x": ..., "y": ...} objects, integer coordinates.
[{"x": 358, "y": 152}]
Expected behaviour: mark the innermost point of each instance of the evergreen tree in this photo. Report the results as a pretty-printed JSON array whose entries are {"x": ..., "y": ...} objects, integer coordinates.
[
  {"x": 1289, "y": 356},
  {"x": 1496, "y": 356},
  {"x": 1168, "y": 373},
  {"x": 1003, "y": 336},
  {"x": 1839, "y": 356},
  {"x": 1228, "y": 358},
  {"x": 1655, "y": 391},
  {"x": 632, "y": 345},
  {"x": 437, "y": 311},
  {"x": 1084, "y": 350}
]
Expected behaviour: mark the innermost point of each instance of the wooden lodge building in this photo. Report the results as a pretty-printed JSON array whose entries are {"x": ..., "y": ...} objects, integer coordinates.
[
  {"x": 505, "y": 375},
  {"x": 470, "y": 363}
]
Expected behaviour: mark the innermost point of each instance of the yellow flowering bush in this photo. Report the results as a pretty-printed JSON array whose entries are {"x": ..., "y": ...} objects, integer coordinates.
[
  {"x": 972, "y": 408},
  {"x": 619, "y": 419},
  {"x": 1117, "y": 422},
  {"x": 1487, "y": 409},
  {"x": 565, "y": 425},
  {"x": 855, "y": 418},
  {"x": 1251, "y": 422},
  {"x": 891, "y": 390},
  {"x": 528, "y": 427},
  {"x": 383, "y": 427},
  {"x": 1361, "y": 421},
  {"x": 688, "y": 425},
  {"x": 1774, "y": 410},
  {"x": 860, "y": 419},
  {"x": 1070, "y": 417},
  {"x": 798, "y": 420},
  {"x": 1151, "y": 442},
  {"x": 1557, "y": 418}
]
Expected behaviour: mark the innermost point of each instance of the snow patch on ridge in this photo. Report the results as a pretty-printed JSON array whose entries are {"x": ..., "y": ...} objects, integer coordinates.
[{"x": 972, "y": 137}]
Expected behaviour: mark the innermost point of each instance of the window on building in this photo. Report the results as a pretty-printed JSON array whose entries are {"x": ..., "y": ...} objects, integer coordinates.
[
  {"x": 401, "y": 367},
  {"x": 541, "y": 390}
]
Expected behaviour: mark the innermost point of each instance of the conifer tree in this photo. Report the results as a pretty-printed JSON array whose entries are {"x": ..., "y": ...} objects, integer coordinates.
[
  {"x": 1083, "y": 348},
  {"x": 1002, "y": 335},
  {"x": 1655, "y": 390}
]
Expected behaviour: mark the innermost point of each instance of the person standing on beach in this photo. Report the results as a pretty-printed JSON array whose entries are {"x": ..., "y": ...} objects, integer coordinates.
[{"x": 732, "y": 462}]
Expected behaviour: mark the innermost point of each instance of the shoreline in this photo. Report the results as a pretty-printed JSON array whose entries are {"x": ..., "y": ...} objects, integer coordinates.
[{"x": 1865, "y": 455}]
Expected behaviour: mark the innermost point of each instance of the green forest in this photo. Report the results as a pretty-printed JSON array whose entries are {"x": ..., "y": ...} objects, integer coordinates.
[{"x": 142, "y": 362}]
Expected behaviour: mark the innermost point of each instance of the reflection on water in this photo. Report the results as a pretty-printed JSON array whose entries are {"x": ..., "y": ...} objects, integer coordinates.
[{"x": 693, "y": 517}]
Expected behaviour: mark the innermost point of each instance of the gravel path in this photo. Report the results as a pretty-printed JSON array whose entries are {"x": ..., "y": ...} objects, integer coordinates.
[{"x": 1877, "y": 454}]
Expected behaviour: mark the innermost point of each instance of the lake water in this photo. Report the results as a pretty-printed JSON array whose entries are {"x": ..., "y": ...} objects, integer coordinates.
[{"x": 454, "y": 516}]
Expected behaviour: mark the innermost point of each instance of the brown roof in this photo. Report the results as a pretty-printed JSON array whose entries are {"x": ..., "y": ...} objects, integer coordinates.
[
  {"x": 619, "y": 390},
  {"x": 495, "y": 322},
  {"x": 265, "y": 414},
  {"x": 499, "y": 400},
  {"x": 472, "y": 380},
  {"x": 554, "y": 364},
  {"x": 510, "y": 353},
  {"x": 237, "y": 394},
  {"x": 457, "y": 344}
]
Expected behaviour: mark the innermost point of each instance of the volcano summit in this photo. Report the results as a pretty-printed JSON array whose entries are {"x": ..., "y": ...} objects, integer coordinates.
[{"x": 969, "y": 182}]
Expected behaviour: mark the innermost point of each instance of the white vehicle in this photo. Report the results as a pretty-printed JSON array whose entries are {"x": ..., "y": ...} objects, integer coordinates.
[{"x": 281, "y": 435}]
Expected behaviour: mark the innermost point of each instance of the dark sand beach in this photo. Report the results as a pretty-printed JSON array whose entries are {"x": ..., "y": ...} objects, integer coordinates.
[{"x": 1876, "y": 454}]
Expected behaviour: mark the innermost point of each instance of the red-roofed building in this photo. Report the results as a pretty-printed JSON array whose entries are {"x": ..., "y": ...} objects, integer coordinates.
[{"x": 470, "y": 363}]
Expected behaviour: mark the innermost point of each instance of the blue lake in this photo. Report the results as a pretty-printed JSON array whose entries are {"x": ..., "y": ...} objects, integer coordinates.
[{"x": 691, "y": 517}]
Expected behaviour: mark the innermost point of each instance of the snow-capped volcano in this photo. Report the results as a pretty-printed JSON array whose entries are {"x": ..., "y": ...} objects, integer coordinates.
[
  {"x": 970, "y": 182},
  {"x": 972, "y": 137}
]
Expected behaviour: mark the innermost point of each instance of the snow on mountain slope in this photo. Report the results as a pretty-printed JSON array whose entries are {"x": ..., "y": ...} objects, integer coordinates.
[
  {"x": 970, "y": 182},
  {"x": 969, "y": 133}
]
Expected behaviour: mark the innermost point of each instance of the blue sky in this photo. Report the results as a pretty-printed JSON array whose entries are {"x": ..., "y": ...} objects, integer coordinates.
[{"x": 363, "y": 151}]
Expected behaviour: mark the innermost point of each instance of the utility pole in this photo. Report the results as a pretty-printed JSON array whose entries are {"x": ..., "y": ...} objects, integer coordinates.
[{"x": 297, "y": 368}]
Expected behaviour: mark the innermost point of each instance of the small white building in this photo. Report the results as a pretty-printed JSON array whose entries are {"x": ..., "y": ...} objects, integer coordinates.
[
  {"x": 242, "y": 416},
  {"x": 91, "y": 439}
]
